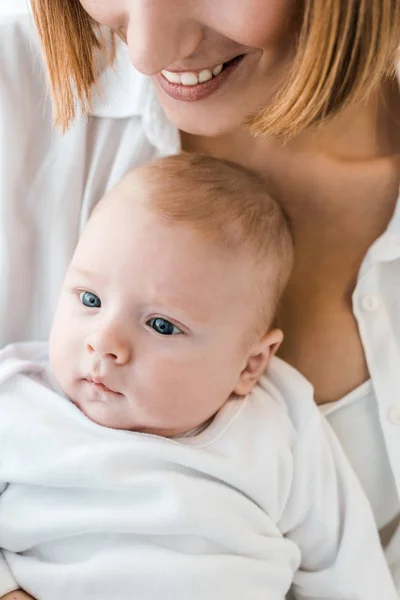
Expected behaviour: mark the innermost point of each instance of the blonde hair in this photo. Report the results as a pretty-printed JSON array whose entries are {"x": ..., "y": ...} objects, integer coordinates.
[
  {"x": 345, "y": 48},
  {"x": 229, "y": 207}
]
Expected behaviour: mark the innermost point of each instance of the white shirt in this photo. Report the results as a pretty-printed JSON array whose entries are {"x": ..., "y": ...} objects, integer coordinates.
[
  {"x": 376, "y": 477},
  {"x": 364, "y": 446},
  {"x": 264, "y": 496},
  {"x": 49, "y": 184},
  {"x": 376, "y": 306}
]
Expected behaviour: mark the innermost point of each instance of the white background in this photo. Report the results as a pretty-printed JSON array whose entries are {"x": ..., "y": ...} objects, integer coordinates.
[{"x": 8, "y": 7}]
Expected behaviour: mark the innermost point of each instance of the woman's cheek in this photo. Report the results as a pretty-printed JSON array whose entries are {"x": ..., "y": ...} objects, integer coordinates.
[
  {"x": 260, "y": 25},
  {"x": 105, "y": 12}
]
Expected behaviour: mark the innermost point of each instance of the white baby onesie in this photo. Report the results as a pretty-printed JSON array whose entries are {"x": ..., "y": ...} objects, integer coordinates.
[{"x": 262, "y": 498}]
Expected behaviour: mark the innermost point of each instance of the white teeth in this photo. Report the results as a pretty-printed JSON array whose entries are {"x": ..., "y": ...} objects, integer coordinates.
[
  {"x": 190, "y": 79},
  {"x": 172, "y": 77},
  {"x": 217, "y": 70},
  {"x": 205, "y": 75}
]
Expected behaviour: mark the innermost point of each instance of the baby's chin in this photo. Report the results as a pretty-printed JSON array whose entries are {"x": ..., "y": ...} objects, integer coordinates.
[
  {"x": 115, "y": 411},
  {"x": 106, "y": 414},
  {"x": 104, "y": 410}
]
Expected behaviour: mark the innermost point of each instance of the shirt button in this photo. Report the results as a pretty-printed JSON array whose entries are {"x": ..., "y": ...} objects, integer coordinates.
[
  {"x": 394, "y": 415},
  {"x": 370, "y": 303}
]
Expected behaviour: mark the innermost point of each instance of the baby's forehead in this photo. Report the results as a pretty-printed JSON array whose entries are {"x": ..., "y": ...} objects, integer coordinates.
[
  {"x": 134, "y": 204},
  {"x": 119, "y": 223}
]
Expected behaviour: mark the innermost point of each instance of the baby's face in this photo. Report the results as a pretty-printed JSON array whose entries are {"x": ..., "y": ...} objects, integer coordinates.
[{"x": 149, "y": 333}]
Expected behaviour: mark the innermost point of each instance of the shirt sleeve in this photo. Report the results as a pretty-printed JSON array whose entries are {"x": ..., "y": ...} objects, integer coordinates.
[
  {"x": 328, "y": 516},
  {"x": 7, "y": 582}
]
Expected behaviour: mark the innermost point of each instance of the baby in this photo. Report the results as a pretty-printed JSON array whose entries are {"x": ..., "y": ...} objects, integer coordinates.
[{"x": 154, "y": 456}]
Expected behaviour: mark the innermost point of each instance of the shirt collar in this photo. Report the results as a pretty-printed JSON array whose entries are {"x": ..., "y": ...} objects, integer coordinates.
[
  {"x": 122, "y": 92},
  {"x": 387, "y": 247}
]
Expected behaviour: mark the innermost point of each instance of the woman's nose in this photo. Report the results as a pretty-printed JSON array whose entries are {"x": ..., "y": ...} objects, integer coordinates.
[
  {"x": 109, "y": 344},
  {"x": 161, "y": 32}
]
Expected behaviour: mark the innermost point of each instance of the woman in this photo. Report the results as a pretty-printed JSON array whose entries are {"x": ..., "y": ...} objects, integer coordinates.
[{"x": 303, "y": 92}]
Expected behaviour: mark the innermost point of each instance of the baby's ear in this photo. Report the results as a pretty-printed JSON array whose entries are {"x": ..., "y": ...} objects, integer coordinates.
[{"x": 257, "y": 361}]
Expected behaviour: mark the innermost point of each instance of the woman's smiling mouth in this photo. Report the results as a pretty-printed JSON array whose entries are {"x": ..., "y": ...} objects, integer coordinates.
[
  {"x": 195, "y": 85},
  {"x": 192, "y": 77}
]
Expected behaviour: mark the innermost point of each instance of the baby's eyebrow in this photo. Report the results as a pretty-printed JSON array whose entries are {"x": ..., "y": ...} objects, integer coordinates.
[{"x": 81, "y": 271}]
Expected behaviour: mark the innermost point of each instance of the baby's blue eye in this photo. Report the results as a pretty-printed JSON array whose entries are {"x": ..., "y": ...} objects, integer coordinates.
[
  {"x": 90, "y": 300},
  {"x": 163, "y": 326}
]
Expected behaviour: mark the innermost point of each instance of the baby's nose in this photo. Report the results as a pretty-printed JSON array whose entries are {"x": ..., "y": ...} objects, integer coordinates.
[{"x": 110, "y": 345}]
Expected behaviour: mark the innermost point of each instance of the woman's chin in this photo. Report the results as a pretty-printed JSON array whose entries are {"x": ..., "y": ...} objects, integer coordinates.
[{"x": 208, "y": 119}]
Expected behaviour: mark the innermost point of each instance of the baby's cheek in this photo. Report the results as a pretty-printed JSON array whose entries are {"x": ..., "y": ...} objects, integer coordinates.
[{"x": 62, "y": 352}]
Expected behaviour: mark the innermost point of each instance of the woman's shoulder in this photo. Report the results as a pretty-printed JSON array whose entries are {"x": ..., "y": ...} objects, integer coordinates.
[
  {"x": 21, "y": 67},
  {"x": 25, "y": 107},
  {"x": 17, "y": 27}
]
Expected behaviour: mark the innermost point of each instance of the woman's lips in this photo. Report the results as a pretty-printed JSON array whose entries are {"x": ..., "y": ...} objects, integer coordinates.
[{"x": 194, "y": 93}]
